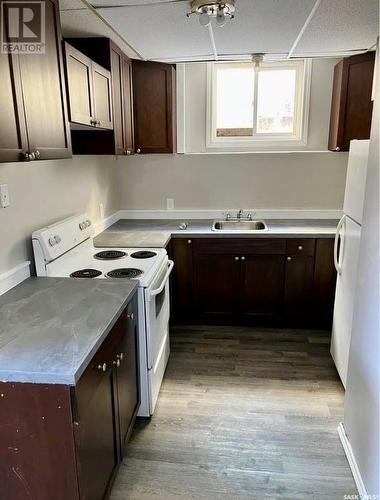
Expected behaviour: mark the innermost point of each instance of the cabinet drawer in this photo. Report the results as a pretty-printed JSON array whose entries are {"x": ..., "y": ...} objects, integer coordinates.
[
  {"x": 300, "y": 247},
  {"x": 241, "y": 246}
]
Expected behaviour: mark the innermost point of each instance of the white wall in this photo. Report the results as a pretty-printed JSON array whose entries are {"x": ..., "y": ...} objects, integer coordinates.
[
  {"x": 281, "y": 181},
  {"x": 361, "y": 409},
  {"x": 43, "y": 192}
]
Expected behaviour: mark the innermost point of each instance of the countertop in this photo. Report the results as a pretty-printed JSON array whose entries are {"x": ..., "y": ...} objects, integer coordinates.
[
  {"x": 201, "y": 228},
  {"x": 50, "y": 328}
]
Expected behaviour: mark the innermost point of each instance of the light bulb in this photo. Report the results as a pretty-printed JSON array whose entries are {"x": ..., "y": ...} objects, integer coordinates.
[
  {"x": 220, "y": 19},
  {"x": 204, "y": 19}
]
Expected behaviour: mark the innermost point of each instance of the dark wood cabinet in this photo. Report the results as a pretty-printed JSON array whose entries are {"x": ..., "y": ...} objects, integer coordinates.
[
  {"x": 181, "y": 252},
  {"x": 33, "y": 96},
  {"x": 70, "y": 439},
  {"x": 89, "y": 91},
  {"x": 154, "y": 105},
  {"x": 351, "y": 105},
  {"x": 262, "y": 284},
  {"x": 119, "y": 140},
  {"x": 126, "y": 361},
  {"x": 284, "y": 281},
  {"x": 217, "y": 283}
]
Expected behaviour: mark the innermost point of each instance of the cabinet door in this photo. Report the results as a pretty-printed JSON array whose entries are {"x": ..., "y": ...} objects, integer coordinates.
[
  {"x": 351, "y": 105},
  {"x": 217, "y": 283},
  {"x": 181, "y": 252},
  {"x": 154, "y": 107},
  {"x": 13, "y": 138},
  {"x": 127, "y": 97},
  {"x": 262, "y": 284},
  {"x": 298, "y": 284},
  {"x": 44, "y": 93},
  {"x": 127, "y": 373},
  {"x": 102, "y": 89},
  {"x": 96, "y": 426},
  {"x": 79, "y": 82},
  {"x": 122, "y": 102}
]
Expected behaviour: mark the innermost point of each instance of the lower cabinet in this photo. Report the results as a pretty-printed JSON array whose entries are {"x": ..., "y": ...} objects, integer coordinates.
[
  {"x": 106, "y": 401},
  {"x": 247, "y": 280},
  {"x": 70, "y": 439}
]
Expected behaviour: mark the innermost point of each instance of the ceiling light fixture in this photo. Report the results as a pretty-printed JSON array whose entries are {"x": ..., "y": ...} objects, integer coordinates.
[{"x": 220, "y": 10}]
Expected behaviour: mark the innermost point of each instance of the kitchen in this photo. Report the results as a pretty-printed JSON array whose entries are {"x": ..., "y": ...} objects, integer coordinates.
[{"x": 207, "y": 160}]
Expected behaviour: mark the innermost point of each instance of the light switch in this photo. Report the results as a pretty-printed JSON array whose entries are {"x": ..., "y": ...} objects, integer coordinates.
[
  {"x": 170, "y": 203},
  {"x": 4, "y": 196}
]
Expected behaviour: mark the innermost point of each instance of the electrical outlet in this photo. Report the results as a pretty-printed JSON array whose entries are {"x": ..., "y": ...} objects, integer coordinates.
[
  {"x": 101, "y": 210},
  {"x": 170, "y": 203},
  {"x": 4, "y": 196}
]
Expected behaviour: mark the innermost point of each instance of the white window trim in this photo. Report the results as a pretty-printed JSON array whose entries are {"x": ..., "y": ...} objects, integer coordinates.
[{"x": 261, "y": 141}]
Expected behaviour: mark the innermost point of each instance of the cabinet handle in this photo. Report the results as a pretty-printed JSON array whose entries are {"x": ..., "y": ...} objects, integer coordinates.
[
  {"x": 130, "y": 316},
  {"x": 37, "y": 154},
  {"x": 300, "y": 248},
  {"x": 237, "y": 258},
  {"x": 138, "y": 151},
  {"x": 189, "y": 242},
  {"x": 92, "y": 121},
  {"x": 26, "y": 156},
  {"x": 128, "y": 152},
  {"x": 98, "y": 122},
  {"x": 288, "y": 259},
  {"x": 120, "y": 356},
  {"x": 242, "y": 258},
  {"x": 337, "y": 148},
  {"x": 102, "y": 368},
  {"x": 116, "y": 363}
]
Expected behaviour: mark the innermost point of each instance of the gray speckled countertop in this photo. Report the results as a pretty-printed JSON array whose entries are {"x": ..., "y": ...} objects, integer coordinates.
[
  {"x": 50, "y": 328},
  {"x": 201, "y": 228}
]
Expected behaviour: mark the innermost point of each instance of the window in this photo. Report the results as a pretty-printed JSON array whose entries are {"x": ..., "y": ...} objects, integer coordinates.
[{"x": 266, "y": 105}]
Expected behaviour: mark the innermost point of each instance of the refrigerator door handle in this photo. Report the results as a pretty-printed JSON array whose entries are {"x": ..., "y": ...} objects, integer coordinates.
[{"x": 338, "y": 267}]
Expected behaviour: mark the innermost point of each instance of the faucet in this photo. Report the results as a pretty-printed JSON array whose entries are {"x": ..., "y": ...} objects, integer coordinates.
[{"x": 240, "y": 214}]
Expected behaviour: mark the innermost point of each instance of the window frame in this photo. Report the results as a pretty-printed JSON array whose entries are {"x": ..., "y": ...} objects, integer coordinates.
[{"x": 301, "y": 116}]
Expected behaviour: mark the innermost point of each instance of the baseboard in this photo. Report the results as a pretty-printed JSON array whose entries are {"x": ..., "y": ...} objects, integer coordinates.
[
  {"x": 15, "y": 276},
  {"x": 103, "y": 224},
  {"x": 352, "y": 462},
  {"x": 213, "y": 214}
]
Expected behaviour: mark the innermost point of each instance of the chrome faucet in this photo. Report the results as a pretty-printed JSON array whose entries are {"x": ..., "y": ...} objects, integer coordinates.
[{"x": 240, "y": 214}]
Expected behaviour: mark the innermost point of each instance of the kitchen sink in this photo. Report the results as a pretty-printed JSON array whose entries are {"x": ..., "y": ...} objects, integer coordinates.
[{"x": 239, "y": 225}]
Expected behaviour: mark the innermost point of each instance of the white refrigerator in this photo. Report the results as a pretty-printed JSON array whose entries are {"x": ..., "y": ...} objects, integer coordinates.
[{"x": 346, "y": 254}]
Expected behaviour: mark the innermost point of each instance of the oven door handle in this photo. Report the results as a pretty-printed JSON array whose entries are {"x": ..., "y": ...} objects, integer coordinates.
[{"x": 153, "y": 293}]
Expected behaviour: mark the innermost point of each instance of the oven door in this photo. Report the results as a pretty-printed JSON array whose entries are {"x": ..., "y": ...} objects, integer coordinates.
[{"x": 157, "y": 313}]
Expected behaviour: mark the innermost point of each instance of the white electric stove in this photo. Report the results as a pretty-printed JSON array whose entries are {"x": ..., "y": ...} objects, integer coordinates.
[{"x": 66, "y": 249}]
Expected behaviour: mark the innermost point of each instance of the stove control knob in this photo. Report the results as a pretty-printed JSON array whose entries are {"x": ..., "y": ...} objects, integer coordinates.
[
  {"x": 82, "y": 226},
  {"x": 88, "y": 223},
  {"x": 57, "y": 238},
  {"x": 52, "y": 241}
]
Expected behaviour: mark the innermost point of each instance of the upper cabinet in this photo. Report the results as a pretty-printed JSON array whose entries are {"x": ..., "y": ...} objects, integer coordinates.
[
  {"x": 351, "y": 105},
  {"x": 32, "y": 99},
  {"x": 154, "y": 107},
  {"x": 100, "y": 84},
  {"x": 89, "y": 91}
]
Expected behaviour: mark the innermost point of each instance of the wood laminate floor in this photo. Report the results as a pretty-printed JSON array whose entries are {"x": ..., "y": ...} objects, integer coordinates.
[{"x": 243, "y": 414}]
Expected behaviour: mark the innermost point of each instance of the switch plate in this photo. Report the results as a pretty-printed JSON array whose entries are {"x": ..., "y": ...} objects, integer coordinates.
[
  {"x": 170, "y": 203},
  {"x": 4, "y": 196}
]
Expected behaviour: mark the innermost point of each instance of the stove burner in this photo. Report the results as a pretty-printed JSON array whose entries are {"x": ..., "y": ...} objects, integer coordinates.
[
  {"x": 110, "y": 255},
  {"x": 143, "y": 254},
  {"x": 124, "y": 272},
  {"x": 85, "y": 273}
]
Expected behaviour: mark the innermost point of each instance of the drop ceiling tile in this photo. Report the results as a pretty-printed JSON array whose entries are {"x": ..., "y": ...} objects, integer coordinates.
[
  {"x": 82, "y": 23},
  {"x": 160, "y": 31},
  {"x": 340, "y": 26},
  {"x": 268, "y": 26}
]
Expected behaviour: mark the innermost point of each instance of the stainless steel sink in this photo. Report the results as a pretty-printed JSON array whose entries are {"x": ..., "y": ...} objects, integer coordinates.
[{"x": 239, "y": 225}]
